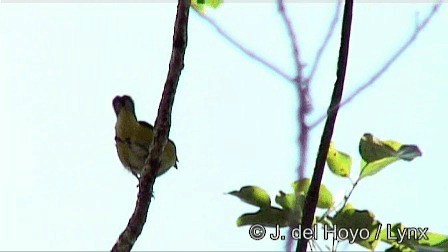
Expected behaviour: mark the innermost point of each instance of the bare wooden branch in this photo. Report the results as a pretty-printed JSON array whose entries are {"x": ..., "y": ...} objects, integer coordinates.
[
  {"x": 243, "y": 49},
  {"x": 292, "y": 36},
  {"x": 302, "y": 89},
  {"x": 162, "y": 126},
  {"x": 330, "y": 31},
  {"x": 313, "y": 192}
]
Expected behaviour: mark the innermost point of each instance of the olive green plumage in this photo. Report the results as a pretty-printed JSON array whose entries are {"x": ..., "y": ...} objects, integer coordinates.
[{"x": 133, "y": 137}]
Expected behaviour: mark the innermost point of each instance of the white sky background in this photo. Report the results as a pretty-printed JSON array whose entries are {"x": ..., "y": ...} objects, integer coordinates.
[{"x": 63, "y": 188}]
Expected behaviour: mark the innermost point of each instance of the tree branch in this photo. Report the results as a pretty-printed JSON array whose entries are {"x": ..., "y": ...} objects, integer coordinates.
[
  {"x": 243, "y": 49},
  {"x": 304, "y": 107},
  {"x": 313, "y": 192},
  {"x": 386, "y": 66},
  {"x": 330, "y": 31},
  {"x": 162, "y": 125},
  {"x": 302, "y": 90},
  {"x": 292, "y": 36}
]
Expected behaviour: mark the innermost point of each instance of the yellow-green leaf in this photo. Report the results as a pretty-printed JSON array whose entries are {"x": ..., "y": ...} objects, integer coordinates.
[
  {"x": 253, "y": 195},
  {"x": 374, "y": 167},
  {"x": 200, "y": 5},
  {"x": 361, "y": 224},
  {"x": 339, "y": 162},
  {"x": 293, "y": 204},
  {"x": 325, "y": 199},
  {"x": 377, "y": 154},
  {"x": 402, "y": 237},
  {"x": 434, "y": 241},
  {"x": 391, "y": 233},
  {"x": 286, "y": 201},
  {"x": 269, "y": 217},
  {"x": 373, "y": 149}
]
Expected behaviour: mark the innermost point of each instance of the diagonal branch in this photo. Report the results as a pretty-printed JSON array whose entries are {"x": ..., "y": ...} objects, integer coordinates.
[
  {"x": 162, "y": 125},
  {"x": 313, "y": 192},
  {"x": 243, "y": 49},
  {"x": 292, "y": 36},
  {"x": 330, "y": 31},
  {"x": 386, "y": 66}
]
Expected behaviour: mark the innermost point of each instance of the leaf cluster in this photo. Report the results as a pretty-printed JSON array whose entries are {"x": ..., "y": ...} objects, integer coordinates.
[{"x": 375, "y": 155}]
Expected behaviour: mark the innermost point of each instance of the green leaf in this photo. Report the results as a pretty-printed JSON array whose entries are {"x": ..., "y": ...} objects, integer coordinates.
[
  {"x": 434, "y": 240},
  {"x": 412, "y": 238},
  {"x": 399, "y": 248},
  {"x": 361, "y": 226},
  {"x": 324, "y": 221},
  {"x": 253, "y": 195},
  {"x": 391, "y": 233},
  {"x": 339, "y": 162},
  {"x": 201, "y": 4},
  {"x": 286, "y": 201},
  {"x": 377, "y": 154},
  {"x": 374, "y": 167},
  {"x": 372, "y": 149},
  {"x": 269, "y": 217},
  {"x": 293, "y": 204},
  {"x": 408, "y": 152},
  {"x": 393, "y": 144},
  {"x": 325, "y": 199}
]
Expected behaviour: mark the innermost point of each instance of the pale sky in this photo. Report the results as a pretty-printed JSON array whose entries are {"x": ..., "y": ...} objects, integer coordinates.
[{"x": 64, "y": 188}]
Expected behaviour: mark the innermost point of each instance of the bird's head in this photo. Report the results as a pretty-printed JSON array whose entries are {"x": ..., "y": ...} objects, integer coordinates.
[{"x": 123, "y": 102}]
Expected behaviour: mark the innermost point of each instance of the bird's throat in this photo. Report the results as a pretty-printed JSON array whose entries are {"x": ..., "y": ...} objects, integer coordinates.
[{"x": 126, "y": 125}]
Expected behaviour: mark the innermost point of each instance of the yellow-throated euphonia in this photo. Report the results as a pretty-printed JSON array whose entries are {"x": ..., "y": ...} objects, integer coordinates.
[{"x": 132, "y": 139}]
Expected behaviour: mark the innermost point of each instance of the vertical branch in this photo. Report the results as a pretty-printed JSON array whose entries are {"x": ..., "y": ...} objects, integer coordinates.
[
  {"x": 313, "y": 192},
  {"x": 135, "y": 225},
  {"x": 302, "y": 89}
]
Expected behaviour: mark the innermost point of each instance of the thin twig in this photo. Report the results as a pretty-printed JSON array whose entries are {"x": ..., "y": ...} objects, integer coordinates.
[
  {"x": 346, "y": 197},
  {"x": 337, "y": 244},
  {"x": 386, "y": 66},
  {"x": 292, "y": 36},
  {"x": 313, "y": 192},
  {"x": 317, "y": 246},
  {"x": 343, "y": 202},
  {"x": 243, "y": 49},
  {"x": 327, "y": 38},
  {"x": 127, "y": 238}
]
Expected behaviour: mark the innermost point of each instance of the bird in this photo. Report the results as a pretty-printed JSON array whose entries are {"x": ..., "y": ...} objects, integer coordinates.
[{"x": 133, "y": 138}]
